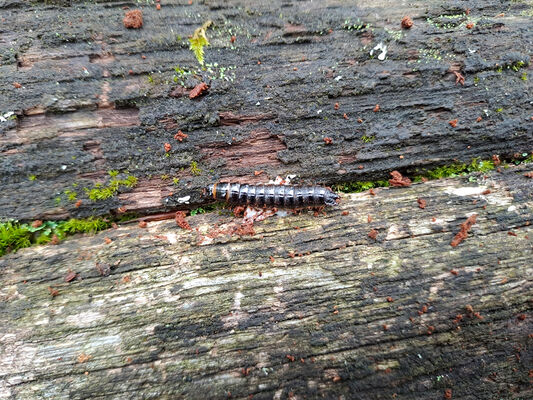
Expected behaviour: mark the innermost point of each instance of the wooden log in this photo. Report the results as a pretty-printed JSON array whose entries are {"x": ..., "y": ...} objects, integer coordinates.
[
  {"x": 304, "y": 307},
  {"x": 89, "y": 95}
]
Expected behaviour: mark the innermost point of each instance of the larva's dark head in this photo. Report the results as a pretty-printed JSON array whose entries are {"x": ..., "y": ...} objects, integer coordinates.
[{"x": 331, "y": 198}]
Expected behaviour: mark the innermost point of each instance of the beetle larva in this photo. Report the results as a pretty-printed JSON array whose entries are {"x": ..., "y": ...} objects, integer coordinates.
[{"x": 289, "y": 196}]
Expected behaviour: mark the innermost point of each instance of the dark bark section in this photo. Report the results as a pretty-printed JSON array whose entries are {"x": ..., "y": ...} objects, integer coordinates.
[
  {"x": 308, "y": 307},
  {"x": 289, "y": 65}
]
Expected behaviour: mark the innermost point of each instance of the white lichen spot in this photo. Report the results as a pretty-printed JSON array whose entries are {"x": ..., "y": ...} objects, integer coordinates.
[
  {"x": 172, "y": 238},
  {"x": 466, "y": 191},
  {"x": 511, "y": 209},
  {"x": 380, "y": 47},
  {"x": 184, "y": 200},
  {"x": 84, "y": 319}
]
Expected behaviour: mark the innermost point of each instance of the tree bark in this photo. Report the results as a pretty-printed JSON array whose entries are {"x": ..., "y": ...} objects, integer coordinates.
[
  {"x": 304, "y": 307},
  {"x": 93, "y": 96}
]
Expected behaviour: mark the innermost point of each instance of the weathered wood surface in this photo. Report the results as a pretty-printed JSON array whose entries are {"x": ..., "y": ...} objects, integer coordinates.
[
  {"x": 86, "y": 106},
  {"x": 165, "y": 313}
]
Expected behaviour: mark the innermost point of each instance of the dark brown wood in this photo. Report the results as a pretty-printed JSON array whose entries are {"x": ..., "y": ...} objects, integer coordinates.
[{"x": 93, "y": 96}]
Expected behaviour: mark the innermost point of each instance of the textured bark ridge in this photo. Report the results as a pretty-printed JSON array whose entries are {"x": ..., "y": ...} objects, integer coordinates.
[
  {"x": 304, "y": 307},
  {"x": 90, "y": 96}
]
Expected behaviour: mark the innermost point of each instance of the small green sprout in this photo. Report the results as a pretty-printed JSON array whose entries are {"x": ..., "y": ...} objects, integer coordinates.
[
  {"x": 194, "y": 168},
  {"x": 199, "y": 40},
  {"x": 32, "y": 177}
]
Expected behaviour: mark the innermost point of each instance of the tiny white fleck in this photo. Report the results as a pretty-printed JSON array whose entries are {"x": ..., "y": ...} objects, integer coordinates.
[
  {"x": 184, "y": 199},
  {"x": 258, "y": 104},
  {"x": 381, "y": 47},
  {"x": 319, "y": 111},
  {"x": 338, "y": 78},
  {"x": 63, "y": 167}
]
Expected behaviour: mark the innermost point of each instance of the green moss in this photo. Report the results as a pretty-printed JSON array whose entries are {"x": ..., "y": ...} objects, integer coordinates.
[
  {"x": 15, "y": 235},
  {"x": 517, "y": 65},
  {"x": 112, "y": 173},
  {"x": 175, "y": 181},
  {"x": 101, "y": 192},
  {"x": 32, "y": 177},
  {"x": 367, "y": 139},
  {"x": 356, "y": 187},
  {"x": 524, "y": 76},
  {"x": 71, "y": 195},
  {"x": 457, "y": 169},
  {"x": 198, "y": 210},
  {"x": 194, "y": 168}
]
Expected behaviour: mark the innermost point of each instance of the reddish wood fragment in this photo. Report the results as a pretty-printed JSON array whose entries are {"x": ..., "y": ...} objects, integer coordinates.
[
  {"x": 290, "y": 358},
  {"x": 256, "y": 173},
  {"x": 71, "y": 275},
  {"x": 371, "y": 192},
  {"x": 168, "y": 147},
  {"x": 376, "y": 108},
  {"x": 133, "y": 19},
  {"x": 78, "y": 203},
  {"x": 142, "y": 224},
  {"x": 345, "y": 116},
  {"x": 453, "y": 123},
  {"x": 336, "y": 378},
  {"x": 479, "y": 119},
  {"x": 421, "y": 203},
  {"x": 529, "y": 174},
  {"x": 465, "y": 228},
  {"x": 238, "y": 211},
  {"x": 407, "y": 22},
  {"x": 328, "y": 140},
  {"x": 55, "y": 239},
  {"x": 158, "y": 6},
  {"x": 448, "y": 394},
  {"x": 180, "y": 136},
  {"x": 180, "y": 220},
  {"x": 37, "y": 223},
  {"x": 470, "y": 25},
  {"x": 336, "y": 106},
  {"x": 17, "y": 85},
  {"x": 511, "y": 233},
  {"x": 390, "y": 299},
  {"x": 459, "y": 78},
  {"x": 399, "y": 180},
  {"x": 373, "y": 234},
  {"x": 198, "y": 90},
  {"x": 107, "y": 240},
  {"x": 496, "y": 159},
  {"x": 385, "y": 327},
  {"x": 486, "y": 191},
  {"x": 454, "y": 272},
  {"x": 246, "y": 229},
  {"x": 53, "y": 292},
  {"x": 345, "y": 213},
  {"x": 522, "y": 317},
  {"x": 232, "y": 39},
  {"x": 369, "y": 218},
  {"x": 359, "y": 120}
]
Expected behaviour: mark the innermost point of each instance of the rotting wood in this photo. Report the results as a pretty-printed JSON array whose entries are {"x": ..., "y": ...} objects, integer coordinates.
[
  {"x": 75, "y": 60},
  {"x": 307, "y": 307}
]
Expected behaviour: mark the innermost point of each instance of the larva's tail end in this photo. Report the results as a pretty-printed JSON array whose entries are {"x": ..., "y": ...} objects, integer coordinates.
[{"x": 207, "y": 192}]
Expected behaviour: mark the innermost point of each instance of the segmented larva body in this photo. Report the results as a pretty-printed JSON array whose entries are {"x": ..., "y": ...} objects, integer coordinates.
[{"x": 288, "y": 196}]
